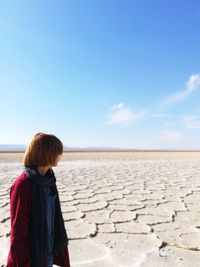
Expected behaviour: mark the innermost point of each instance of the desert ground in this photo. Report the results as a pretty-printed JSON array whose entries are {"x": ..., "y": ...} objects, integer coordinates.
[{"x": 121, "y": 209}]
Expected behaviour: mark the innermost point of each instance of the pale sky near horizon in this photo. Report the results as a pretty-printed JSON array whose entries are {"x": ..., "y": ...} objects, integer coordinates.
[{"x": 103, "y": 73}]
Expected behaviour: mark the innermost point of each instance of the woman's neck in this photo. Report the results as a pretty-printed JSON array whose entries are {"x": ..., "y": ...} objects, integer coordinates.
[{"x": 42, "y": 170}]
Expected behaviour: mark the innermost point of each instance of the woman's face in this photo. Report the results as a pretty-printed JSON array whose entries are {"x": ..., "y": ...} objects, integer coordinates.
[{"x": 57, "y": 159}]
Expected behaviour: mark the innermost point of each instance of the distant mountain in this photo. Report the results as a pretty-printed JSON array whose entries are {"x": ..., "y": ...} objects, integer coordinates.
[
  {"x": 81, "y": 149},
  {"x": 22, "y": 148},
  {"x": 12, "y": 147}
]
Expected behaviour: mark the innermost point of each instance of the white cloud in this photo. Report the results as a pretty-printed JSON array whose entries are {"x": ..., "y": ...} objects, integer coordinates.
[
  {"x": 192, "y": 84},
  {"x": 123, "y": 115},
  {"x": 159, "y": 115},
  {"x": 192, "y": 122},
  {"x": 118, "y": 106},
  {"x": 172, "y": 136}
]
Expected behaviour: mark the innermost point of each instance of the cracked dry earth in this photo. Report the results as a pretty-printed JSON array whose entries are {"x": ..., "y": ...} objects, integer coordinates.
[{"x": 123, "y": 212}]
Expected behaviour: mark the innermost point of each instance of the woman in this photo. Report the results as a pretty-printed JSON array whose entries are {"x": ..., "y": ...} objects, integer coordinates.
[{"x": 38, "y": 236}]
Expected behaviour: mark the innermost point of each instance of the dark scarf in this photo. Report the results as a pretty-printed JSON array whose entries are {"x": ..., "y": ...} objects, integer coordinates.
[{"x": 39, "y": 243}]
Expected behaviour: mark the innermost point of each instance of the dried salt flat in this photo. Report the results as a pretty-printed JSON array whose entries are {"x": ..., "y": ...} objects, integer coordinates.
[{"x": 123, "y": 212}]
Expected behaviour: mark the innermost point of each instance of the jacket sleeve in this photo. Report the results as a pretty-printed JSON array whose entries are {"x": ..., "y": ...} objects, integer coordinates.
[
  {"x": 19, "y": 254},
  {"x": 63, "y": 258}
]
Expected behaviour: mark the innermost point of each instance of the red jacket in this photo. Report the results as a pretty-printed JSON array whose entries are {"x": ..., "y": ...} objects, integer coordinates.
[{"x": 20, "y": 214}]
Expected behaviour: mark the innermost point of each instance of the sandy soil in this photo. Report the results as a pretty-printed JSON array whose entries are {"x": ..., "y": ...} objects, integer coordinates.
[
  {"x": 71, "y": 156},
  {"x": 122, "y": 209}
]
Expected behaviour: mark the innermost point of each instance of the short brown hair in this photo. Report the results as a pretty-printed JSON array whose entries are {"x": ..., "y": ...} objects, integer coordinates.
[{"x": 43, "y": 150}]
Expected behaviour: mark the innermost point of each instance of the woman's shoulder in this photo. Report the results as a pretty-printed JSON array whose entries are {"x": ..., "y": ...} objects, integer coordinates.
[{"x": 21, "y": 182}]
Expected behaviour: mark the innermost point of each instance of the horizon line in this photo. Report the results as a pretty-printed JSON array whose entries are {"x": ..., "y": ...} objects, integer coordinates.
[{"x": 112, "y": 150}]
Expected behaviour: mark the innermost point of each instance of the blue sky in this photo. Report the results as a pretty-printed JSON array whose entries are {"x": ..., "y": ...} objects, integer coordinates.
[{"x": 101, "y": 72}]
